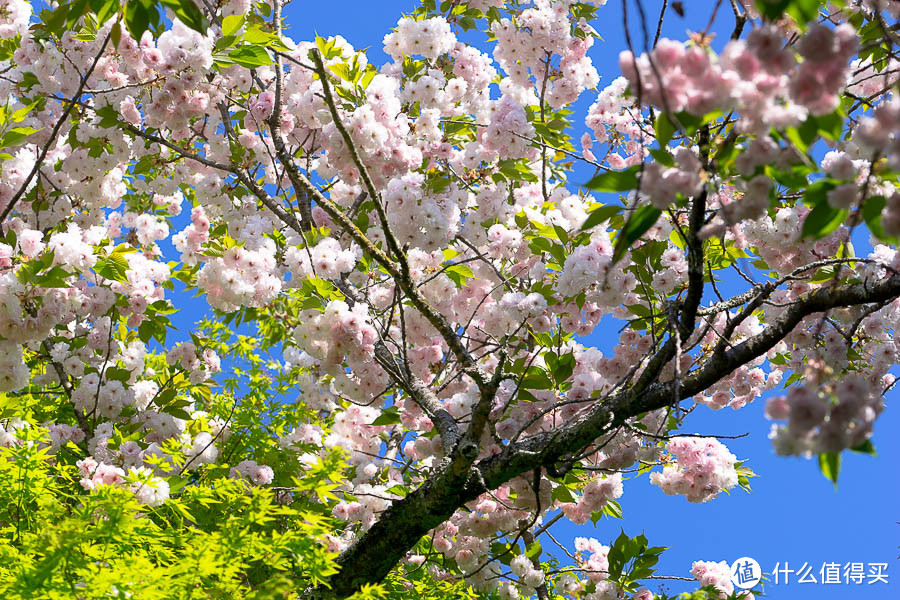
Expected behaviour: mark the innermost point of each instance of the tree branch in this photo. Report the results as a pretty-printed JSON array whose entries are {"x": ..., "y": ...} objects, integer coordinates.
[{"x": 400, "y": 527}]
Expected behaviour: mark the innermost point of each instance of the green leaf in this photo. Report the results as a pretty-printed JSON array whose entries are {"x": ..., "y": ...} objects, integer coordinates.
[
  {"x": 109, "y": 116},
  {"x": 115, "y": 34},
  {"x": 29, "y": 80},
  {"x": 793, "y": 177},
  {"x": 831, "y": 125},
  {"x": 665, "y": 129},
  {"x": 398, "y": 490},
  {"x": 641, "y": 220},
  {"x": 140, "y": 15},
  {"x": 368, "y": 77},
  {"x": 327, "y": 48},
  {"x": 536, "y": 379},
  {"x": 727, "y": 153},
  {"x": 467, "y": 23},
  {"x": 794, "y": 378},
  {"x": 599, "y": 215},
  {"x": 257, "y": 36},
  {"x": 506, "y": 553},
  {"x": 662, "y": 157},
  {"x": 118, "y": 374},
  {"x": 564, "y": 368},
  {"x": 615, "y": 181},
  {"x": 563, "y": 236},
  {"x": 562, "y": 494},
  {"x": 389, "y": 416},
  {"x": 226, "y": 41},
  {"x": 232, "y": 24},
  {"x": 16, "y": 135},
  {"x": 20, "y": 114},
  {"x": 53, "y": 21},
  {"x": 690, "y": 123},
  {"x": 176, "y": 483},
  {"x": 166, "y": 396},
  {"x": 817, "y": 193},
  {"x": 112, "y": 267},
  {"x": 178, "y": 413},
  {"x": 461, "y": 270},
  {"x": 825, "y": 273},
  {"x": 613, "y": 509},
  {"x": 803, "y": 11},
  {"x": 867, "y": 447},
  {"x": 871, "y": 211},
  {"x": 250, "y": 56},
  {"x": 801, "y": 138},
  {"x": 459, "y": 274},
  {"x": 188, "y": 13},
  {"x": 830, "y": 465},
  {"x": 823, "y": 220},
  {"x": 533, "y": 550},
  {"x": 78, "y": 8},
  {"x": 53, "y": 278},
  {"x": 104, "y": 9},
  {"x": 152, "y": 329},
  {"x": 616, "y": 556}
]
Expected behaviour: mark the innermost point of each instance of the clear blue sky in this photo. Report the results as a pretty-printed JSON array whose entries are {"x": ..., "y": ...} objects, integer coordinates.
[{"x": 794, "y": 513}]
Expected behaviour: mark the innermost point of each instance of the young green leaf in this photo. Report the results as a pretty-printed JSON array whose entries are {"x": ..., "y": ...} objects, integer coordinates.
[
  {"x": 830, "y": 465},
  {"x": 232, "y": 24},
  {"x": 188, "y": 13},
  {"x": 140, "y": 16},
  {"x": 823, "y": 220},
  {"x": 641, "y": 220},
  {"x": 389, "y": 416},
  {"x": 615, "y": 181},
  {"x": 600, "y": 215},
  {"x": 665, "y": 129},
  {"x": 871, "y": 211},
  {"x": 250, "y": 57}
]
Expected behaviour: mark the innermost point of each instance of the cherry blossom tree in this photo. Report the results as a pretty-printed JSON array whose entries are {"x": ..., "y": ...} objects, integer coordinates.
[{"x": 393, "y": 391}]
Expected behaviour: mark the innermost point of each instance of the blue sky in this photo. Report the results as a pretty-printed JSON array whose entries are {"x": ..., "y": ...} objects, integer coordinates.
[{"x": 794, "y": 514}]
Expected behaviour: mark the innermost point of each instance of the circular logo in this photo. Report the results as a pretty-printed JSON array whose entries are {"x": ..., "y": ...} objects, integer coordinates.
[{"x": 745, "y": 573}]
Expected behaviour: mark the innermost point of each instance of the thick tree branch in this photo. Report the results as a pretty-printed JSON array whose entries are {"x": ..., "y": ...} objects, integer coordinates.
[
  {"x": 422, "y": 395},
  {"x": 373, "y": 555}
]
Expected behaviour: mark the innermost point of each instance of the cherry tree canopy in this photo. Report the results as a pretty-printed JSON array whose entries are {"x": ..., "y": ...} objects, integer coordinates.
[{"x": 393, "y": 393}]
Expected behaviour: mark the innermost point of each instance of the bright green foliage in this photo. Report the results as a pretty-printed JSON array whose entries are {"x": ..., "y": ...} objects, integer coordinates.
[{"x": 212, "y": 541}]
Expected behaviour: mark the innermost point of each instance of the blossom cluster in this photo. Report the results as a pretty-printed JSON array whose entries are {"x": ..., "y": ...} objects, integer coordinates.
[
  {"x": 429, "y": 38},
  {"x": 526, "y": 48},
  {"x": 613, "y": 122},
  {"x": 718, "y": 575},
  {"x": 593, "y": 498},
  {"x": 755, "y": 76},
  {"x": 148, "y": 489},
  {"x": 703, "y": 468},
  {"x": 827, "y": 418},
  {"x": 337, "y": 331}
]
